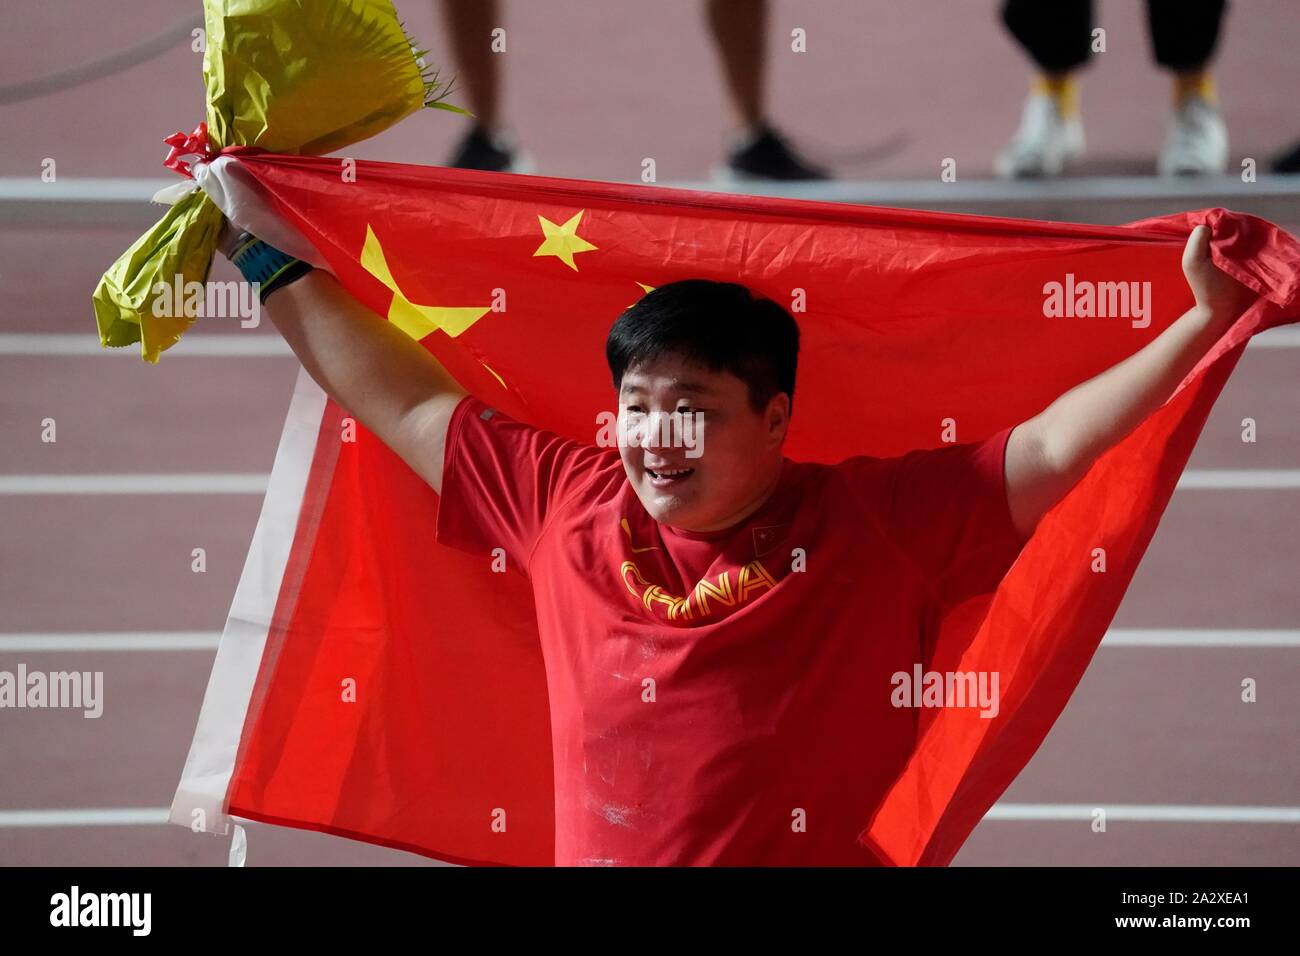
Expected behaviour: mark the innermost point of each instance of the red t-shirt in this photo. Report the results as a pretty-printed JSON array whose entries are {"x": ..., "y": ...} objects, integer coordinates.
[{"x": 725, "y": 698}]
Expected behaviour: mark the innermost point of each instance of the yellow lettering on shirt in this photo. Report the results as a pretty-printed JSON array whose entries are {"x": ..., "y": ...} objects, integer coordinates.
[{"x": 752, "y": 578}]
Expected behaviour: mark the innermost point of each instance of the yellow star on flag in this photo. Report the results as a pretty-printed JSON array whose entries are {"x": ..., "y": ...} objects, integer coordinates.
[
  {"x": 417, "y": 321},
  {"x": 563, "y": 241}
]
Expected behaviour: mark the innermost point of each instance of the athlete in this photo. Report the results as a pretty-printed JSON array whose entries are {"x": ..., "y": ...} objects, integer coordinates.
[{"x": 718, "y": 622}]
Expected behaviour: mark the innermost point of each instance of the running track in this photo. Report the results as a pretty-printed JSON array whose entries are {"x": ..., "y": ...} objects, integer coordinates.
[{"x": 95, "y": 575}]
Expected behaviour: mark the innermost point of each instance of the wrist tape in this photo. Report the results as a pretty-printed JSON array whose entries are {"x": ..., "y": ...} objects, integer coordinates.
[{"x": 265, "y": 264}]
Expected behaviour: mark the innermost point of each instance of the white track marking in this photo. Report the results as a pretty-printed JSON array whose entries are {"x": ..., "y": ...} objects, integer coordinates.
[
  {"x": 1226, "y": 479},
  {"x": 110, "y": 641},
  {"x": 93, "y": 641},
  {"x": 1199, "y": 637},
  {"x": 90, "y": 817},
  {"x": 201, "y": 345},
  {"x": 142, "y": 484},
  {"x": 1006, "y": 812},
  {"x": 1149, "y": 813},
  {"x": 1077, "y": 189}
]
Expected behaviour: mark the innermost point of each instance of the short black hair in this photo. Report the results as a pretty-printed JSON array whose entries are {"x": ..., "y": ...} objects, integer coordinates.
[{"x": 722, "y": 325}]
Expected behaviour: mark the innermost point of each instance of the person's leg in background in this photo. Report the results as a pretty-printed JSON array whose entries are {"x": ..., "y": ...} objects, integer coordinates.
[
  {"x": 1184, "y": 34},
  {"x": 739, "y": 29},
  {"x": 469, "y": 30},
  {"x": 1058, "y": 38},
  {"x": 1288, "y": 161}
]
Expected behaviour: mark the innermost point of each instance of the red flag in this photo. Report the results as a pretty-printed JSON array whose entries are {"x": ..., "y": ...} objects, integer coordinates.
[{"x": 374, "y": 684}]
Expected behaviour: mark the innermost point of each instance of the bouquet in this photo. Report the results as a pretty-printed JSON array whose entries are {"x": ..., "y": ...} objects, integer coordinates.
[{"x": 349, "y": 72}]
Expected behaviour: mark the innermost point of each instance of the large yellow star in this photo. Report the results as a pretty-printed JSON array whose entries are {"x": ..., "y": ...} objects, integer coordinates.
[
  {"x": 417, "y": 321},
  {"x": 563, "y": 241}
]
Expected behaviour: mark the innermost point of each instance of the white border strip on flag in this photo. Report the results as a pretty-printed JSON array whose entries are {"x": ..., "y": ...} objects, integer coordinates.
[{"x": 211, "y": 760}]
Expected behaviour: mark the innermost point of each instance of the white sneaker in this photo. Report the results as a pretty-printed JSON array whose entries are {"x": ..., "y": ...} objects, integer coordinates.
[
  {"x": 1045, "y": 142},
  {"x": 1197, "y": 142}
]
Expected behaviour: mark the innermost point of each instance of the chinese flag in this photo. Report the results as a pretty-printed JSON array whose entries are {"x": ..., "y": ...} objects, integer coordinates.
[{"x": 910, "y": 320}]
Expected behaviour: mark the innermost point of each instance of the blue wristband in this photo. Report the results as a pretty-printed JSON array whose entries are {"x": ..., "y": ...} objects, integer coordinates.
[{"x": 266, "y": 265}]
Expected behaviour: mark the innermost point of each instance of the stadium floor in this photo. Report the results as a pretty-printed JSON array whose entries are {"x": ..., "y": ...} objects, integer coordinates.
[{"x": 1156, "y": 732}]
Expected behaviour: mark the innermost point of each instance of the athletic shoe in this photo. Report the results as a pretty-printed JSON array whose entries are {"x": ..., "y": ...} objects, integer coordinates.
[
  {"x": 765, "y": 155},
  {"x": 1045, "y": 142},
  {"x": 1288, "y": 162},
  {"x": 497, "y": 154},
  {"x": 1197, "y": 142}
]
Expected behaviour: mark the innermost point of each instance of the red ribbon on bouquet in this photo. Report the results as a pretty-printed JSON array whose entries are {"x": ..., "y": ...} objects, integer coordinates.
[{"x": 188, "y": 148}]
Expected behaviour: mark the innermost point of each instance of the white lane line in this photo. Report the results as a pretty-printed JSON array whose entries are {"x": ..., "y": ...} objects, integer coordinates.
[
  {"x": 115, "y": 817},
  {"x": 1078, "y": 189},
  {"x": 215, "y": 483},
  {"x": 1199, "y": 637},
  {"x": 92, "y": 641},
  {"x": 201, "y": 345},
  {"x": 80, "y": 189},
  {"x": 1082, "y": 189},
  {"x": 1285, "y": 337},
  {"x": 1153, "y": 813},
  {"x": 1228, "y": 479},
  {"x": 233, "y": 345},
  {"x": 142, "y": 484},
  {"x": 1013, "y": 812},
  {"x": 35, "y": 642}
]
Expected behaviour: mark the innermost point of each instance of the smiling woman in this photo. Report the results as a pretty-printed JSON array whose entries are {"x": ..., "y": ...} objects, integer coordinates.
[
  {"x": 740, "y": 470},
  {"x": 719, "y": 352}
]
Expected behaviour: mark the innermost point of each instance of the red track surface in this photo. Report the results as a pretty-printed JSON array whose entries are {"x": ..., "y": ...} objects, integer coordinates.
[{"x": 610, "y": 83}]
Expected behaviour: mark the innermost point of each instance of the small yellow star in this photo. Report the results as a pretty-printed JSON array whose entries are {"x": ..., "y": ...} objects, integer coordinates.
[
  {"x": 645, "y": 289},
  {"x": 563, "y": 241}
]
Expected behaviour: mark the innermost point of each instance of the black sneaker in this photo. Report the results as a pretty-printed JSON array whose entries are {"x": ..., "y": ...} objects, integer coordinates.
[
  {"x": 766, "y": 155},
  {"x": 1288, "y": 162},
  {"x": 480, "y": 150}
]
